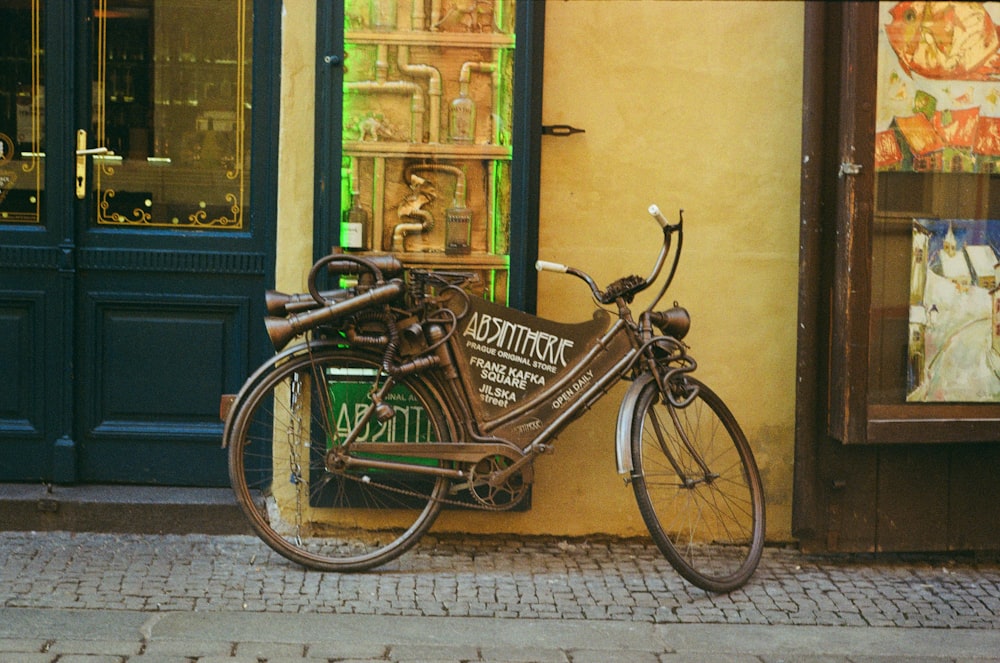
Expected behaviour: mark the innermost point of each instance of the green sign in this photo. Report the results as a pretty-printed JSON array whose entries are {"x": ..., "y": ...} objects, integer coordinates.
[{"x": 349, "y": 399}]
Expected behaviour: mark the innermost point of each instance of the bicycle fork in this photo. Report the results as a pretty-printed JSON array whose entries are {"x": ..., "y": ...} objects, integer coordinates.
[
  {"x": 666, "y": 382},
  {"x": 688, "y": 482}
]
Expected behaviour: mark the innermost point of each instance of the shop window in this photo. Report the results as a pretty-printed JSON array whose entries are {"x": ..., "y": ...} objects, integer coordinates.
[
  {"x": 428, "y": 137},
  {"x": 915, "y": 310}
]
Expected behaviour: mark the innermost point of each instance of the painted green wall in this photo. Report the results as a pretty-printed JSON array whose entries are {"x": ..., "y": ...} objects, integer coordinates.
[{"x": 693, "y": 105}]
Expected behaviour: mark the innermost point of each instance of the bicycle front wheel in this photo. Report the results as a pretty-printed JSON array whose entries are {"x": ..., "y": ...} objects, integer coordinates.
[
  {"x": 323, "y": 518},
  {"x": 698, "y": 487}
]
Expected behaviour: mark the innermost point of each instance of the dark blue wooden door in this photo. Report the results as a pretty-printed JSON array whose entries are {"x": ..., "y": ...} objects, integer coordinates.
[{"x": 136, "y": 236}]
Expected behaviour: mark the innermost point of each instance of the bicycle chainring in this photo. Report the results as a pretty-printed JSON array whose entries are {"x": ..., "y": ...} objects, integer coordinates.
[{"x": 484, "y": 488}]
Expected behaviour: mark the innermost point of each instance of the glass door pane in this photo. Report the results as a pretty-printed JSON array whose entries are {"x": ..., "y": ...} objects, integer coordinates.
[
  {"x": 22, "y": 110},
  {"x": 172, "y": 105}
]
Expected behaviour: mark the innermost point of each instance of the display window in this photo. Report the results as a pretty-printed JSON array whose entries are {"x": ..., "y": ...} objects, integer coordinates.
[
  {"x": 430, "y": 119},
  {"x": 915, "y": 307}
]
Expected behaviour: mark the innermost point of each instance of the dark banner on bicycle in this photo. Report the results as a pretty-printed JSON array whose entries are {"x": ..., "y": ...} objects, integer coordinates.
[{"x": 511, "y": 355}]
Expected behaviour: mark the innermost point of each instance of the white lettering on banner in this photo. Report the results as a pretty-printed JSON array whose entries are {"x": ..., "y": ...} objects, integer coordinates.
[
  {"x": 524, "y": 343},
  {"x": 497, "y": 373},
  {"x": 479, "y": 347},
  {"x": 570, "y": 393},
  {"x": 529, "y": 426},
  {"x": 497, "y": 395}
]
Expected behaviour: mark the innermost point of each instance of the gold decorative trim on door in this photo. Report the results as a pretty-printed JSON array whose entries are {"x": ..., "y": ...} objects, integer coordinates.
[
  {"x": 21, "y": 167},
  {"x": 172, "y": 104}
]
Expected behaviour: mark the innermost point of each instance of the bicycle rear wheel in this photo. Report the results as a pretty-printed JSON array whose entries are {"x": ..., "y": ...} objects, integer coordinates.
[
  {"x": 342, "y": 520},
  {"x": 698, "y": 487}
]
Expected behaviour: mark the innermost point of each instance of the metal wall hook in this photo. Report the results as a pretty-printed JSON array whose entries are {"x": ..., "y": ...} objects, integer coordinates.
[{"x": 560, "y": 130}]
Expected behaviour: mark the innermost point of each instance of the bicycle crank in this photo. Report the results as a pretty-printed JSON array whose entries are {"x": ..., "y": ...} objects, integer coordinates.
[{"x": 493, "y": 485}]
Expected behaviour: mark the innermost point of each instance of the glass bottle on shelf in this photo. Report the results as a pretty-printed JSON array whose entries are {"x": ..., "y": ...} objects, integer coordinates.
[
  {"x": 383, "y": 15},
  {"x": 458, "y": 224},
  {"x": 355, "y": 224},
  {"x": 462, "y": 127}
]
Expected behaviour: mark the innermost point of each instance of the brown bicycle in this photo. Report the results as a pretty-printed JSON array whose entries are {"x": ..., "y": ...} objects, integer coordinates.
[{"x": 408, "y": 394}]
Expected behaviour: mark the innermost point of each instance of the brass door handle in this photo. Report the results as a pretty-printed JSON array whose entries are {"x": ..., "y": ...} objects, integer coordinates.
[{"x": 82, "y": 152}]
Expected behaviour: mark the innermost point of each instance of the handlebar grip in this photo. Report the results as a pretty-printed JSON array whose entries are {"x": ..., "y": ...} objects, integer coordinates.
[
  {"x": 655, "y": 212},
  {"x": 546, "y": 266}
]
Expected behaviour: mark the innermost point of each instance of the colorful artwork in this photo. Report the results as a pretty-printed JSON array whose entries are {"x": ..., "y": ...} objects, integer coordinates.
[
  {"x": 938, "y": 111},
  {"x": 938, "y": 87},
  {"x": 954, "y": 343}
]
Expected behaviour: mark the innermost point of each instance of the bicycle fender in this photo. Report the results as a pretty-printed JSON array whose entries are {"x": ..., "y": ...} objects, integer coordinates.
[{"x": 623, "y": 431}]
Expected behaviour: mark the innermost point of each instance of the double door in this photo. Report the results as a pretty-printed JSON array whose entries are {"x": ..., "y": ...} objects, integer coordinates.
[{"x": 136, "y": 235}]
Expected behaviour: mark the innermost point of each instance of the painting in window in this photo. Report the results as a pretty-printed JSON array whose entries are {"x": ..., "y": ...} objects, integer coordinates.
[
  {"x": 954, "y": 345},
  {"x": 937, "y": 161},
  {"x": 938, "y": 87}
]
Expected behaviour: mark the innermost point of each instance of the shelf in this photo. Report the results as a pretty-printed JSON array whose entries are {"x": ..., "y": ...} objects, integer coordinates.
[
  {"x": 426, "y": 150},
  {"x": 452, "y": 261},
  {"x": 445, "y": 39}
]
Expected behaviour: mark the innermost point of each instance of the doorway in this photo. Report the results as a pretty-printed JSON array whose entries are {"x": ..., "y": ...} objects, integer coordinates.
[{"x": 136, "y": 234}]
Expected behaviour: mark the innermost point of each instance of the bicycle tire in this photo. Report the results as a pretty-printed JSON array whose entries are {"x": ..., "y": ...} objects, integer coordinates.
[
  {"x": 711, "y": 526},
  {"x": 277, "y": 442}
]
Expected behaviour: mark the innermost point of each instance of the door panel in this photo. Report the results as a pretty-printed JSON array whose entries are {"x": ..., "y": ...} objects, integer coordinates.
[
  {"x": 152, "y": 379},
  {"x": 31, "y": 296},
  {"x": 21, "y": 327},
  {"x": 22, "y": 107},
  {"x": 172, "y": 91},
  {"x": 130, "y": 286},
  {"x": 25, "y": 387}
]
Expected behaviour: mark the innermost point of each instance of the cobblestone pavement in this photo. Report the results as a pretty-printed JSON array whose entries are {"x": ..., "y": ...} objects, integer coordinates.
[{"x": 507, "y": 577}]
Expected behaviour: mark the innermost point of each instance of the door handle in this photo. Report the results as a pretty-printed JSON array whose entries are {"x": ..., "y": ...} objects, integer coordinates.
[{"x": 82, "y": 152}]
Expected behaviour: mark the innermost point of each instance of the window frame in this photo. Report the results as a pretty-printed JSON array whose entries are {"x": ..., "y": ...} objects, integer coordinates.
[{"x": 843, "y": 102}]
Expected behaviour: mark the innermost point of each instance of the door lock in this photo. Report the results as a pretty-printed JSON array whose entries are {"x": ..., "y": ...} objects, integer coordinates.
[{"x": 82, "y": 152}]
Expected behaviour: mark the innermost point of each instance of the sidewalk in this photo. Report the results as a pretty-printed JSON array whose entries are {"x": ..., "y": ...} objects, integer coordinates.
[
  {"x": 104, "y": 635},
  {"x": 91, "y": 598}
]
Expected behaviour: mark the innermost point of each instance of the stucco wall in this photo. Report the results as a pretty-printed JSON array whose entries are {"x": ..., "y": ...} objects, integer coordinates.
[{"x": 687, "y": 104}]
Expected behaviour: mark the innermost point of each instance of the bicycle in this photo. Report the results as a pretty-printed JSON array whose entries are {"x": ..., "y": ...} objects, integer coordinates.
[{"x": 408, "y": 394}]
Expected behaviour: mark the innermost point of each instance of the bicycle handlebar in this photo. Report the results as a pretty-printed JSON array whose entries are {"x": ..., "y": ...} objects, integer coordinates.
[
  {"x": 630, "y": 285},
  {"x": 655, "y": 212},
  {"x": 546, "y": 266}
]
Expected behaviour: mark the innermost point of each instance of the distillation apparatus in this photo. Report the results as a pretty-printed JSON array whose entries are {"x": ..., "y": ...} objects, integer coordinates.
[
  {"x": 423, "y": 85},
  {"x": 458, "y": 217}
]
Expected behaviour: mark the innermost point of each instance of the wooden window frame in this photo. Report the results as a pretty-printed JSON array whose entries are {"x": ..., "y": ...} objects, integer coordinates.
[{"x": 838, "y": 209}]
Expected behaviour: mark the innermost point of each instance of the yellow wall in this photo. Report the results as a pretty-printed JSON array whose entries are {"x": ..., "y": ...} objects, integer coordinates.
[{"x": 693, "y": 105}]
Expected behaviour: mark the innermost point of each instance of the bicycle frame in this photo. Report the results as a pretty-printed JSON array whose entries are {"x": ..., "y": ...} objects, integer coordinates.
[
  {"x": 412, "y": 394},
  {"x": 517, "y": 380}
]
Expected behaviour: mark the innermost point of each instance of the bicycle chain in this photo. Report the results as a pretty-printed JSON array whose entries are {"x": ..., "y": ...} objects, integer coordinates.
[{"x": 413, "y": 493}]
